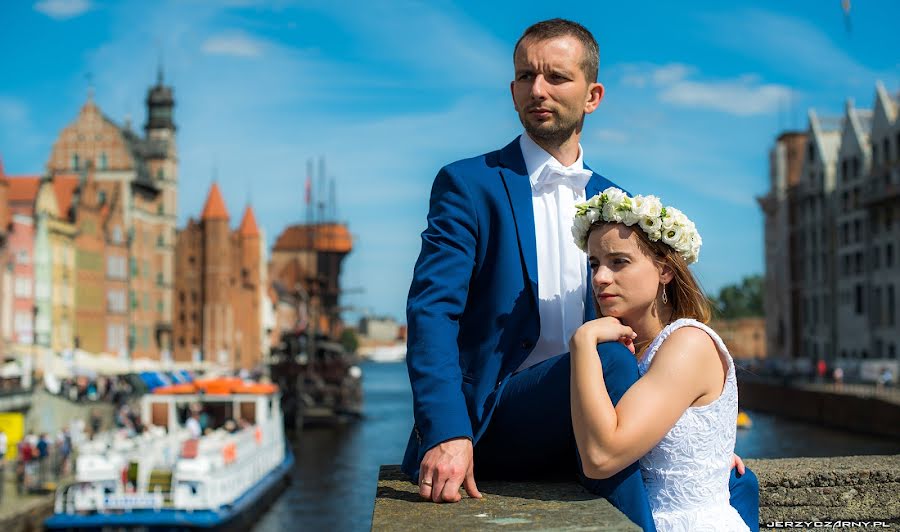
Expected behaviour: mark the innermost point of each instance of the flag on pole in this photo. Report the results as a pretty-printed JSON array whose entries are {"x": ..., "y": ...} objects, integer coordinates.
[{"x": 308, "y": 189}]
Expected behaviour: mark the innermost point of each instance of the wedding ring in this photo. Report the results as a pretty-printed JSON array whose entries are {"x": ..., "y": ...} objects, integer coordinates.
[{"x": 426, "y": 483}]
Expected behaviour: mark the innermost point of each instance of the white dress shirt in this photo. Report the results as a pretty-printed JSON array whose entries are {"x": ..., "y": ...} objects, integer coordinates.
[{"x": 562, "y": 274}]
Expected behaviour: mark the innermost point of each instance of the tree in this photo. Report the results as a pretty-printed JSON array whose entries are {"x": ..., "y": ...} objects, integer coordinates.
[
  {"x": 741, "y": 300},
  {"x": 349, "y": 340}
]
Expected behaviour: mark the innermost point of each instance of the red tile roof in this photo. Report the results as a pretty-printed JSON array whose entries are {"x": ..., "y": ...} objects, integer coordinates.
[
  {"x": 215, "y": 205},
  {"x": 248, "y": 224},
  {"x": 64, "y": 186},
  {"x": 23, "y": 188}
]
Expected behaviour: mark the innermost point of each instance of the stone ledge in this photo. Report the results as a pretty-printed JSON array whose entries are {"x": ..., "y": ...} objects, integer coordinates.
[
  {"x": 855, "y": 488},
  {"x": 506, "y": 506},
  {"x": 848, "y": 488}
]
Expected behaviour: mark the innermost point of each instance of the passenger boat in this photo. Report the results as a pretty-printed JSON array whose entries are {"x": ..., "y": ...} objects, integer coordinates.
[{"x": 166, "y": 479}]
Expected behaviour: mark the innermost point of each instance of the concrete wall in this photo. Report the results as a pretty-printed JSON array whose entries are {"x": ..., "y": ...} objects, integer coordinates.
[{"x": 842, "y": 411}]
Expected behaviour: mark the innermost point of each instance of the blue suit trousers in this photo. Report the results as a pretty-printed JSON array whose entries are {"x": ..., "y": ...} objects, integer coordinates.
[{"x": 530, "y": 437}]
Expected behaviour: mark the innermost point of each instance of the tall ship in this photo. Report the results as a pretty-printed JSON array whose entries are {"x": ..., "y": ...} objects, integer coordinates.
[
  {"x": 320, "y": 379},
  {"x": 171, "y": 476}
]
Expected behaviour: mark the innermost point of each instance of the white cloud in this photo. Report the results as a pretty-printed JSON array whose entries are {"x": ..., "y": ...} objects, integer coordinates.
[
  {"x": 235, "y": 44},
  {"x": 611, "y": 135},
  {"x": 62, "y": 9},
  {"x": 12, "y": 112},
  {"x": 744, "y": 96}
]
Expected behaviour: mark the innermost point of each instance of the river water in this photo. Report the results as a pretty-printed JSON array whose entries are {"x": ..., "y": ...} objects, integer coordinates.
[{"x": 334, "y": 479}]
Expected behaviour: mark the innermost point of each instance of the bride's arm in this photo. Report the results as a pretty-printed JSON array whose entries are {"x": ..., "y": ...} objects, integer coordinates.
[{"x": 611, "y": 438}]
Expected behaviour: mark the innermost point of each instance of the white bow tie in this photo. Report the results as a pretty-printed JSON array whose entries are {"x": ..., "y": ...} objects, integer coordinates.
[{"x": 552, "y": 176}]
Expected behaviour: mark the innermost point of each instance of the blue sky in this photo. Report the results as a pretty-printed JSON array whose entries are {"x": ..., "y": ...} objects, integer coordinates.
[{"x": 388, "y": 92}]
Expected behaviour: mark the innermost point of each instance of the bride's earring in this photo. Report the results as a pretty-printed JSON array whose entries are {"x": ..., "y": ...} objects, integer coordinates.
[{"x": 665, "y": 297}]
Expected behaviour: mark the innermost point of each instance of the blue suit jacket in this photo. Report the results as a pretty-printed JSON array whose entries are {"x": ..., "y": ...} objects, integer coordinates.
[{"x": 472, "y": 311}]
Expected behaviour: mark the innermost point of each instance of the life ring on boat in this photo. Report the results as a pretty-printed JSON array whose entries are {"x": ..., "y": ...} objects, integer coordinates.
[{"x": 229, "y": 452}]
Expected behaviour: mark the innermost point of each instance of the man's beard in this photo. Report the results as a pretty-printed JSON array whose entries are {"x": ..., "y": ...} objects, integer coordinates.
[{"x": 554, "y": 135}]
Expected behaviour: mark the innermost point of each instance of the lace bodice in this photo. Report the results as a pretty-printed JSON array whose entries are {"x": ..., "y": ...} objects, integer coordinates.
[{"x": 686, "y": 474}]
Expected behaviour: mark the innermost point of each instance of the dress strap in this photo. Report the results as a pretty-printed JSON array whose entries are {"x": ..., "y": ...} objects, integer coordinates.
[{"x": 644, "y": 363}]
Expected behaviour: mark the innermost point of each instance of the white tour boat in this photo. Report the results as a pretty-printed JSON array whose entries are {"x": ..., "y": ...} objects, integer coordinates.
[{"x": 167, "y": 479}]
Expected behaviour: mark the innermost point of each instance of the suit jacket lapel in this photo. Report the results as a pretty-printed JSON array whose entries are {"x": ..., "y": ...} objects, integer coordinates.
[
  {"x": 596, "y": 185},
  {"x": 518, "y": 187}
]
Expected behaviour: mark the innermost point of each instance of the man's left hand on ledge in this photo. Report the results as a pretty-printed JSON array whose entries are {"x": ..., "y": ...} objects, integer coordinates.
[{"x": 445, "y": 467}]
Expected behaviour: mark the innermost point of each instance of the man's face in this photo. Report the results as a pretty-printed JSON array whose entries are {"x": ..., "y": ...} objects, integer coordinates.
[{"x": 550, "y": 91}]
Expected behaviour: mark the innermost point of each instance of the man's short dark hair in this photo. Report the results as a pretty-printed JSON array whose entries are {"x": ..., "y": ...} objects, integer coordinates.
[{"x": 559, "y": 27}]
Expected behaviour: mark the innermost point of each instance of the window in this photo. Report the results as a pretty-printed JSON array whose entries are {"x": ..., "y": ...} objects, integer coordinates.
[
  {"x": 891, "y": 306},
  {"x": 887, "y": 149},
  {"x": 858, "y": 299},
  {"x": 134, "y": 300},
  {"x": 856, "y": 167},
  {"x": 134, "y": 267},
  {"x": 22, "y": 256},
  {"x": 159, "y": 279},
  {"x": 874, "y": 154},
  {"x": 23, "y": 287},
  {"x": 116, "y": 234},
  {"x": 889, "y": 256},
  {"x": 75, "y": 161},
  {"x": 101, "y": 161}
]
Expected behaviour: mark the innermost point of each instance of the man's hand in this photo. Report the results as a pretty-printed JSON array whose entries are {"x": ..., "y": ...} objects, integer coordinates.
[
  {"x": 446, "y": 467},
  {"x": 738, "y": 463}
]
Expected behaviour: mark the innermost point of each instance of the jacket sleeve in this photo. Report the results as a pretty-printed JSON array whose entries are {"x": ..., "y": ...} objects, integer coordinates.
[{"x": 437, "y": 299}]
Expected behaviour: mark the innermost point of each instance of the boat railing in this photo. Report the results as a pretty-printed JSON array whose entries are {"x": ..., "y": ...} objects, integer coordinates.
[{"x": 214, "y": 480}]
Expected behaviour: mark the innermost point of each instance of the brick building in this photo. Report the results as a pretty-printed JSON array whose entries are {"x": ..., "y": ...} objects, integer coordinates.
[
  {"x": 220, "y": 288},
  {"x": 134, "y": 193}
]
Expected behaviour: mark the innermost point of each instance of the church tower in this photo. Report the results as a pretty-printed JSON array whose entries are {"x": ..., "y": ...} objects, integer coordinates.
[{"x": 162, "y": 166}]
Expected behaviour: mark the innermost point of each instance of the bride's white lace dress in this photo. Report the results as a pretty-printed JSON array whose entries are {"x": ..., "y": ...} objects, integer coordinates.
[{"x": 686, "y": 474}]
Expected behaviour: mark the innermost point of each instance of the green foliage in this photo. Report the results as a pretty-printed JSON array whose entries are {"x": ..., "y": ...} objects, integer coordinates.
[
  {"x": 740, "y": 300},
  {"x": 349, "y": 340}
]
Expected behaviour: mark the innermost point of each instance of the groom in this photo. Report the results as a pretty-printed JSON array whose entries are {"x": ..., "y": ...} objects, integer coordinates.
[{"x": 499, "y": 288}]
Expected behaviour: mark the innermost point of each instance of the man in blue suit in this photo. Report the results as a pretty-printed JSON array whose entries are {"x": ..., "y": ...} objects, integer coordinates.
[{"x": 499, "y": 288}]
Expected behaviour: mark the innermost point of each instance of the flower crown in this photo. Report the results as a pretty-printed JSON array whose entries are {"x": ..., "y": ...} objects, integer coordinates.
[{"x": 659, "y": 223}]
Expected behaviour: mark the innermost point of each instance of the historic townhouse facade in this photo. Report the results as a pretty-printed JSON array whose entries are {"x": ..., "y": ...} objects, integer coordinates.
[
  {"x": 135, "y": 179},
  {"x": 833, "y": 235}
]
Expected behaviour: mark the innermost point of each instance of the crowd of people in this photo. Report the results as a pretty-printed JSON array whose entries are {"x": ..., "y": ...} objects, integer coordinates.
[
  {"x": 40, "y": 458},
  {"x": 114, "y": 389}
]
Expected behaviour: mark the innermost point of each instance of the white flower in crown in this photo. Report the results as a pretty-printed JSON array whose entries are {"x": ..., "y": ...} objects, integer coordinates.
[{"x": 647, "y": 212}]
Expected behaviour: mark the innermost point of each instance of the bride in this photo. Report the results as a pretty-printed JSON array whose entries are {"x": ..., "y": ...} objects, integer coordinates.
[{"x": 679, "y": 419}]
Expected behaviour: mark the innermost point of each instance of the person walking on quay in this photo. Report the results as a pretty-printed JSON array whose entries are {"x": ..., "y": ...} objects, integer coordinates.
[
  {"x": 499, "y": 288},
  {"x": 4, "y": 442},
  {"x": 43, "y": 454},
  {"x": 25, "y": 452}
]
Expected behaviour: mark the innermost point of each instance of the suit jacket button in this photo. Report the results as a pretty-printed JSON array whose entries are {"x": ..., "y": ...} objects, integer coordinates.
[{"x": 526, "y": 344}]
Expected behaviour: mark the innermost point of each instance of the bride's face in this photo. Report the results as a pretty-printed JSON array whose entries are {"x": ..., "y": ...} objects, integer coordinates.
[{"x": 625, "y": 279}]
